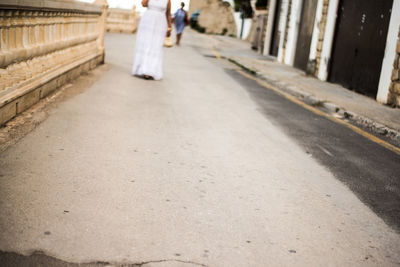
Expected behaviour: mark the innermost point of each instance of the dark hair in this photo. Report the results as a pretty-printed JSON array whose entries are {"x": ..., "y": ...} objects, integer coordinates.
[{"x": 182, "y": 4}]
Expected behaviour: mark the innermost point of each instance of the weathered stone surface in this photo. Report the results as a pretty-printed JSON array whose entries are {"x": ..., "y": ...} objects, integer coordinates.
[
  {"x": 393, "y": 99},
  {"x": 48, "y": 88},
  {"x": 8, "y": 112},
  {"x": 319, "y": 45},
  {"x": 41, "y": 41},
  {"x": 28, "y": 100},
  {"x": 257, "y": 32},
  {"x": 396, "y": 88},
  {"x": 396, "y": 62},
  {"x": 395, "y": 74},
  {"x": 391, "y": 87},
  {"x": 325, "y": 9},
  {"x": 198, "y": 5},
  {"x": 216, "y": 16},
  {"x": 321, "y": 35},
  {"x": 122, "y": 20}
]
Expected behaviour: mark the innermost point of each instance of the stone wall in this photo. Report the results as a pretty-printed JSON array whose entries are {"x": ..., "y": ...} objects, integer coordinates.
[
  {"x": 216, "y": 16},
  {"x": 198, "y": 5},
  {"x": 122, "y": 20},
  {"x": 394, "y": 90},
  {"x": 43, "y": 45},
  {"x": 258, "y": 30}
]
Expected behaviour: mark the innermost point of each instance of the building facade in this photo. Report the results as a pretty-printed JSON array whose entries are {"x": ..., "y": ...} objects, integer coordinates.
[{"x": 354, "y": 43}]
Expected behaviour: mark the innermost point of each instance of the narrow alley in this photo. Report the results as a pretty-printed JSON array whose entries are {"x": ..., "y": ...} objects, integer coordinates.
[{"x": 204, "y": 168}]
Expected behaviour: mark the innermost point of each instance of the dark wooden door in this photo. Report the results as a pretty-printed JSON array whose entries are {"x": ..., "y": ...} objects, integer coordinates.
[
  {"x": 276, "y": 34},
  {"x": 306, "y": 29},
  {"x": 359, "y": 45}
]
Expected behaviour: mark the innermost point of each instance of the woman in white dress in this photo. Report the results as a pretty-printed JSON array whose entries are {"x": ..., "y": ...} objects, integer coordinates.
[{"x": 154, "y": 26}]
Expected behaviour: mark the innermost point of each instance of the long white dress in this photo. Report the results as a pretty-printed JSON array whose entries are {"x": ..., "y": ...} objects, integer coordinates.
[{"x": 150, "y": 38}]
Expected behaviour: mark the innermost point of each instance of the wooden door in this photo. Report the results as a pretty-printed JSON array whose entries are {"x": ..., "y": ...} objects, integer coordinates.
[
  {"x": 359, "y": 45},
  {"x": 306, "y": 29}
]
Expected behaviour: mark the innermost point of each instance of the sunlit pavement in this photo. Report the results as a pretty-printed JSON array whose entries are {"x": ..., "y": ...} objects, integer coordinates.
[{"x": 203, "y": 168}]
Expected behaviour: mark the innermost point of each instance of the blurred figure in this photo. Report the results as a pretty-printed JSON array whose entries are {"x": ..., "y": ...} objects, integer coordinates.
[
  {"x": 154, "y": 26},
  {"x": 180, "y": 20}
]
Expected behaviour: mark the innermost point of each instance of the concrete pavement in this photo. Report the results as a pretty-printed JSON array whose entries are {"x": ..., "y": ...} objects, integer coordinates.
[
  {"x": 360, "y": 109},
  {"x": 182, "y": 172}
]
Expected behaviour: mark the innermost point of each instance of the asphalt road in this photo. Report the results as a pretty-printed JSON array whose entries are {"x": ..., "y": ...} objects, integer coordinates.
[
  {"x": 367, "y": 168},
  {"x": 204, "y": 168}
]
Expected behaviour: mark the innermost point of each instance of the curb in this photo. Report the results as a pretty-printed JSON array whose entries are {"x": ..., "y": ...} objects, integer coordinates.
[{"x": 371, "y": 125}]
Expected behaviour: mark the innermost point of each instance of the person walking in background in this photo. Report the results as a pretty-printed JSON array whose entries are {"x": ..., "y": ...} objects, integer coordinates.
[
  {"x": 154, "y": 26},
  {"x": 180, "y": 20}
]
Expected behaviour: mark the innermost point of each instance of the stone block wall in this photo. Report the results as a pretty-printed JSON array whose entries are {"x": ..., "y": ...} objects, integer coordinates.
[
  {"x": 197, "y": 5},
  {"x": 44, "y": 44},
  {"x": 258, "y": 31},
  {"x": 216, "y": 16},
  {"x": 394, "y": 90},
  {"x": 122, "y": 20}
]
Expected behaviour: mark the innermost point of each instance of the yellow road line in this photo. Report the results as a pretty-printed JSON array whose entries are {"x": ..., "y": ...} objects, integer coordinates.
[
  {"x": 217, "y": 55},
  {"x": 323, "y": 114}
]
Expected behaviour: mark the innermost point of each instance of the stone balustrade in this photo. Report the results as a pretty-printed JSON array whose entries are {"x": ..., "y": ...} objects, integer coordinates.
[
  {"x": 43, "y": 44},
  {"x": 122, "y": 20}
]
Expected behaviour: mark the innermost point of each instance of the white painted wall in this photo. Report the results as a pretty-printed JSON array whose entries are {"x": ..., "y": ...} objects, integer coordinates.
[
  {"x": 293, "y": 31},
  {"x": 282, "y": 27},
  {"x": 328, "y": 39},
  {"x": 316, "y": 32},
  {"x": 270, "y": 24},
  {"x": 390, "y": 53},
  {"x": 247, "y": 25}
]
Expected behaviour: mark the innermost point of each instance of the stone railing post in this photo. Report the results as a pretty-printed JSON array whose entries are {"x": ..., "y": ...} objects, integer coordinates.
[
  {"x": 102, "y": 22},
  {"x": 121, "y": 20}
]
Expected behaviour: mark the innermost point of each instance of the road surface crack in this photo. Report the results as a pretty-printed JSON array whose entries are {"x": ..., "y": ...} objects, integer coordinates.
[
  {"x": 40, "y": 258},
  {"x": 172, "y": 260}
]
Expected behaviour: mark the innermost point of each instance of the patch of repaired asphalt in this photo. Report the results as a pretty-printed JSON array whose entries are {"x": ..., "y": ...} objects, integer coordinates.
[
  {"x": 39, "y": 259},
  {"x": 10, "y": 259}
]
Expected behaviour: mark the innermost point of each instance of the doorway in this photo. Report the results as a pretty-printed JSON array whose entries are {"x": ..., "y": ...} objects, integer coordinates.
[{"x": 359, "y": 45}]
